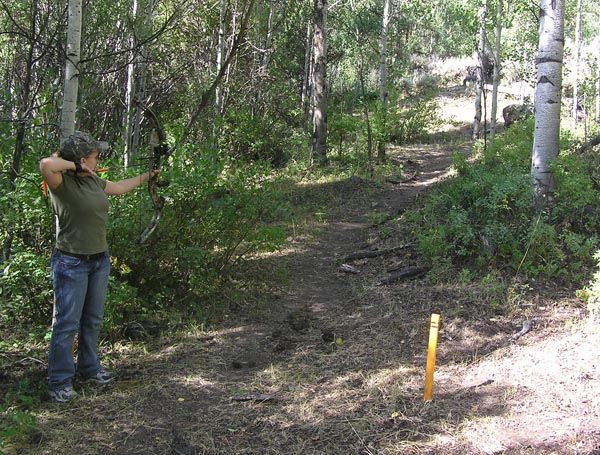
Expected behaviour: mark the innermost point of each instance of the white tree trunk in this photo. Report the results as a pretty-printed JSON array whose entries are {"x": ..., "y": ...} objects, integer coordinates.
[
  {"x": 130, "y": 93},
  {"x": 383, "y": 89},
  {"x": 598, "y": 80},
  {"x": 71, "y": 87},
  {"x": 547, "y": 96},
  {"x": 306, "y": 89},
  {"x": 481, "y": 81},
  {"x": 578, "y": 41},
  {"x": 496, "y": 80},
  {"x": 136, "y": 81},
  {"x": 220, "y": 56},
  {"x": 268, "y": 41},
  {"x": 318, "y": 150}
]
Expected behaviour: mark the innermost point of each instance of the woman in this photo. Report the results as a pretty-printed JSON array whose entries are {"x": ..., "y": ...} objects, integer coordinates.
[{"x": 80, "y": 263}]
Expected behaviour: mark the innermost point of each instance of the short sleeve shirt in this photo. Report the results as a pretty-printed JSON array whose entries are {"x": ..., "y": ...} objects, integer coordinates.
[{"x": 82, "y": 210}]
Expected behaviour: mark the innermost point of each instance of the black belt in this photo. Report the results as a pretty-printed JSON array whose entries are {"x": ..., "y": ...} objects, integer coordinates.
[{"x": 87, "y": 257}]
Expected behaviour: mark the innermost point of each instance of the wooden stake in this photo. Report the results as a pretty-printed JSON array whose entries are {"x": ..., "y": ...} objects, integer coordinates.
[{"x": 433, "y": 336}]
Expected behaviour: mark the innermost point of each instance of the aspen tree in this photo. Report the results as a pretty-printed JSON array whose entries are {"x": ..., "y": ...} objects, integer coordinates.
[
  {"x": 577, "y": 69},
  {"x": 383, "y": 89},
  {"x": 481, "y": 81},
  {"x": 318, "y": 150},
  {"x": 71, "y": 85},
  {"x": 496, "y": 79},
  {"x": 547, "y": 97}
]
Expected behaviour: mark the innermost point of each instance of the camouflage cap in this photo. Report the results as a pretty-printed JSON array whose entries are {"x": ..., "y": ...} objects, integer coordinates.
[{"x": 80, "y": 144}]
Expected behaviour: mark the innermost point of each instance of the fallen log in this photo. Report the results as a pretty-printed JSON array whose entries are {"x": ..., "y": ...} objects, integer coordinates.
[
  {"x": 372, "y": 254},
  {"x": 410, "y": 272}
]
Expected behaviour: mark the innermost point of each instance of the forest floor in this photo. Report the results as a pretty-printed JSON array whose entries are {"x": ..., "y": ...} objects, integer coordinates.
[{"x": 334, "y": 362}]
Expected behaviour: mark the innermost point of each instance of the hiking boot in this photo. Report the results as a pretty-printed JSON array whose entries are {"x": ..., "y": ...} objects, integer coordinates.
[
  {"x": 102, "y": 377},
  {"x": 63, "y": 395}
]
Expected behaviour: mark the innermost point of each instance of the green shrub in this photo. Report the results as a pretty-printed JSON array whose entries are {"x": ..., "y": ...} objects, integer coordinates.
[
  {"x": 25, "y": 290},
  {"x": 410, "y": 123},
  {"x": 24, "y": 279},
  {"x": 17, "y": 423},
  {"x": 591, "y": 294},
  {"x": 248, "y": 136},
  {"x": 218, "y": 212},
  {"x": 485, "y": 216}
]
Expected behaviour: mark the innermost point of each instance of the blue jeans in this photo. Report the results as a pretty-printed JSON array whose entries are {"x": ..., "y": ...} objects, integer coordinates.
[{"x": 80, "y": 286}]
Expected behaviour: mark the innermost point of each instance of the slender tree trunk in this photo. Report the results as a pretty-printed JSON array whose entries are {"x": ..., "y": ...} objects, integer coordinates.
[
  {"x": 263, "y": 63},
  {"x": 547, "y": 97},
  {"x": 306, "y": 87},
  {"x": 318, "y": 150},
  {"x": 130, "y": 93},
  {"x": 220, "y": 56},
  {"x": 578, "y": 41},
  {"x": 481, "y": 81},
  {"x": 71, "y": 87},
  {"x": 136, "y": 80},
  {"x": 496, "y": 81},
  {"x": 383, "y": 89},
  {"x": 598, "y": 80},
  {"x": 367, "y": 119},
  {"x": 268, "y": 41}
]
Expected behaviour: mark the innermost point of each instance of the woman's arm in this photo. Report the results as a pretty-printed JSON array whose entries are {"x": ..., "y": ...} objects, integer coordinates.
[
  {"x": 126, "y": 185},
  {"x": 51, "y": 169}
]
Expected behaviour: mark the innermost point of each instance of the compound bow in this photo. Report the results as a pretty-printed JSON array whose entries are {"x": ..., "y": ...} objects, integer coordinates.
[{"x": 159, "y": 149}]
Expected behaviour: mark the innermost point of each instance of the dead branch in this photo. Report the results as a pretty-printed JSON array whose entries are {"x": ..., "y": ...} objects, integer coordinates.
[
  {"x": 410, "y": 272},
  {"x": 372, "y": 254},
  {"x": 527, "y": 326}
]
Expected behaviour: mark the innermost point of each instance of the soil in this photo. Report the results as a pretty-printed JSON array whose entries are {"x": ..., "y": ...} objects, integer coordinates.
[{"x": 334, "y": 362}]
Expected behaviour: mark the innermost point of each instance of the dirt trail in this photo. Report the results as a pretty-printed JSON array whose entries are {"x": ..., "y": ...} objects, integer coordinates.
[{"x": 336, "y": 361}]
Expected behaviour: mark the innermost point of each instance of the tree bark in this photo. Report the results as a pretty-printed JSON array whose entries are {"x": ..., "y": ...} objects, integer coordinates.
[
  {"x": 71, "y": 87},
  {"x": 547, "y": 97},
  {"x": 318, "y": 150},
  {"x": 306, "y": 87},
  {"x": 496, "y": 80},
  {"x": 598, "y": 80},
  {"x": 481, "y": 81},
  {"x": 220, "y": 56},
  {"x": 578, "y": 41},
  {"x": 383, "y": 89}
]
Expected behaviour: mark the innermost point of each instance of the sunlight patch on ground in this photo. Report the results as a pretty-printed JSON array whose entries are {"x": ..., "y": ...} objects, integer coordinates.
[{"x": 552, "y": 388}]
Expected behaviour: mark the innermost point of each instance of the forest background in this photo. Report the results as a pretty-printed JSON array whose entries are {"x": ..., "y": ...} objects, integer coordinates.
[{"x": 233, "y": 84}]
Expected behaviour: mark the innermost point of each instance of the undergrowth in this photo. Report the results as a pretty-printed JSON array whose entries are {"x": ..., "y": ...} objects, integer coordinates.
[{"x": 484, "y": 218}]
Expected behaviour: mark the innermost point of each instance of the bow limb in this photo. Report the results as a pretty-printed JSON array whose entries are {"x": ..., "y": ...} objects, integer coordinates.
[{"x": 158, "y": 150}]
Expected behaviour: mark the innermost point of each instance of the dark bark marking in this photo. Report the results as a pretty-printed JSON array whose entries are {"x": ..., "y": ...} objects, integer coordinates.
[{"x": 545, "y": 80}]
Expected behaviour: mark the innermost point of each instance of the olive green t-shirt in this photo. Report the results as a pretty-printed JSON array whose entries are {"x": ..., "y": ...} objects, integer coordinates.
[{"x": 82, "y": 210}]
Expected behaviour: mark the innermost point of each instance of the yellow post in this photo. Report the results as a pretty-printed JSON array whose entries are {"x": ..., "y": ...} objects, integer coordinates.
[{"x": 433, "y": 336}]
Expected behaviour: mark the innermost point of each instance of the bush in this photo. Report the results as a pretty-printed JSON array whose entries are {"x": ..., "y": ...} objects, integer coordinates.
[
  {"x": 592, "y": 293},
  {"x": 217, "y": 213},
  {"x": 24, "y": 279},
  {"x": 485, "y": 216},
  {"x": 411, "y": 123},
  {"x": 250, "y": 137}
]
